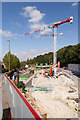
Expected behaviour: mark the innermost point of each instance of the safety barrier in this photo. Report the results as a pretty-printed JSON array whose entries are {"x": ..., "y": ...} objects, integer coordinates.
[{"x": 19, "y": 106}]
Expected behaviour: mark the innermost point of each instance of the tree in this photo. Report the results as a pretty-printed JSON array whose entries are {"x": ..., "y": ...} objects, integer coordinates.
[
  {"x": 66, "y": 55},
  {"x": 23, "y": 63},
  {"x": 14, "y": 61},
  {"x": 69, "y": 54}
]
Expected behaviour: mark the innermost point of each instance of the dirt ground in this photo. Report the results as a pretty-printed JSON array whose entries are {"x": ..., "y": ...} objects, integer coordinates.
[{"x": 61, "y": 98}]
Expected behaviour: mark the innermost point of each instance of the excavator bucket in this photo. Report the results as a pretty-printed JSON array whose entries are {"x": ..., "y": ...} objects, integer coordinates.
[
  {"x": 46, "y": 74},
  {"x": 51, "y": 69}
]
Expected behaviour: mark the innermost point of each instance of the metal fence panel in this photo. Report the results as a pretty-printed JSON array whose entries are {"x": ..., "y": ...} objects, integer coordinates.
[{"x": 20, "y": 107}]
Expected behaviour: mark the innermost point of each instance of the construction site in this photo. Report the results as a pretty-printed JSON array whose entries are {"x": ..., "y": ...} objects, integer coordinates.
[
  {"x": 49, "y": 91},
  {"x": 55, "y": 97},
  {"x": 50, "y": 96},
  {"x": 53, "y": 92}
]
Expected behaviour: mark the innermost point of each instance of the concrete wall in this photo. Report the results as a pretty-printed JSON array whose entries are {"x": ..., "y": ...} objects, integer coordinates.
[{"x": 75, "y": 68}]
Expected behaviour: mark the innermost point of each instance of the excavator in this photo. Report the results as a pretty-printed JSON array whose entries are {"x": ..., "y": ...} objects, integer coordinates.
[{"x": 51, "y": 71}]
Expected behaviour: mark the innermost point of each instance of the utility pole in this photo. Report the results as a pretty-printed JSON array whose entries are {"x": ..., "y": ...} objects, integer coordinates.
[
  {"x": 9, "y": 54},
  {"x": 18, "y": 78}
]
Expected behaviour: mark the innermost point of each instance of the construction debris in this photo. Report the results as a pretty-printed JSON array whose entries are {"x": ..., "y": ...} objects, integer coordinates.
[
  {"x": 53, "y": 97},
  {"x": 58, "y": 102}
]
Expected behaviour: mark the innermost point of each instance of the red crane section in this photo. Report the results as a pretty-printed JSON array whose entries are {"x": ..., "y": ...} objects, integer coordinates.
[
  {"x": 59, "y": 23},
  {"x": 54, "y": 25}
]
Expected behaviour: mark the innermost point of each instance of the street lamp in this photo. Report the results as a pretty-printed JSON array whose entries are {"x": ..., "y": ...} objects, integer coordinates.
[{"x": 9, "y": 54}]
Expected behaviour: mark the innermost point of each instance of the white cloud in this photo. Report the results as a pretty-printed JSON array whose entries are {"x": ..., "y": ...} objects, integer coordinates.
[
  {"x": 28, "y": 10},
  {"x": 9, "y": 34},
  {"x": 6, "y": 33},
  {"x": 38, "y": 25},
  {"x": 46, "y": 31},
  {"x": 35, "y": 18},
  {"x": 32, "y": 53},
  {"x": 75, "y": 4},
  {"x": 34, "y": 14}
]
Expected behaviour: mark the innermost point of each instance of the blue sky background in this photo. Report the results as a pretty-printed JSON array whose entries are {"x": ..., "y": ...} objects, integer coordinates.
[{"x": 15, "y": 24}]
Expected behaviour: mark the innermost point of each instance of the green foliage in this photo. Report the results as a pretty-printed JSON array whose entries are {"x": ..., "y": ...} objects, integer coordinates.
[
  {"x": 66, "y": 55},
  {"x": 22, "y": 85},
  {"x": 41, "y": 59},
  {"x": 14, "y": 61},
  {"x": 4, "y": 70},
  {"x": 69, "y": 54},
  {"x": 23, "y": 63}
]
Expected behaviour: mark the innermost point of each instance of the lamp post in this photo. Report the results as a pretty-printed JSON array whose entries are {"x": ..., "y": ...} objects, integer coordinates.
[{"x": 9, "y": 54}]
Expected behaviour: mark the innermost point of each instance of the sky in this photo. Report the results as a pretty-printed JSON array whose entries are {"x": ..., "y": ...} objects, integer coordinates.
[
  {"x": 40, "y": 0},
  {"x": 19, "y": 18}
]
